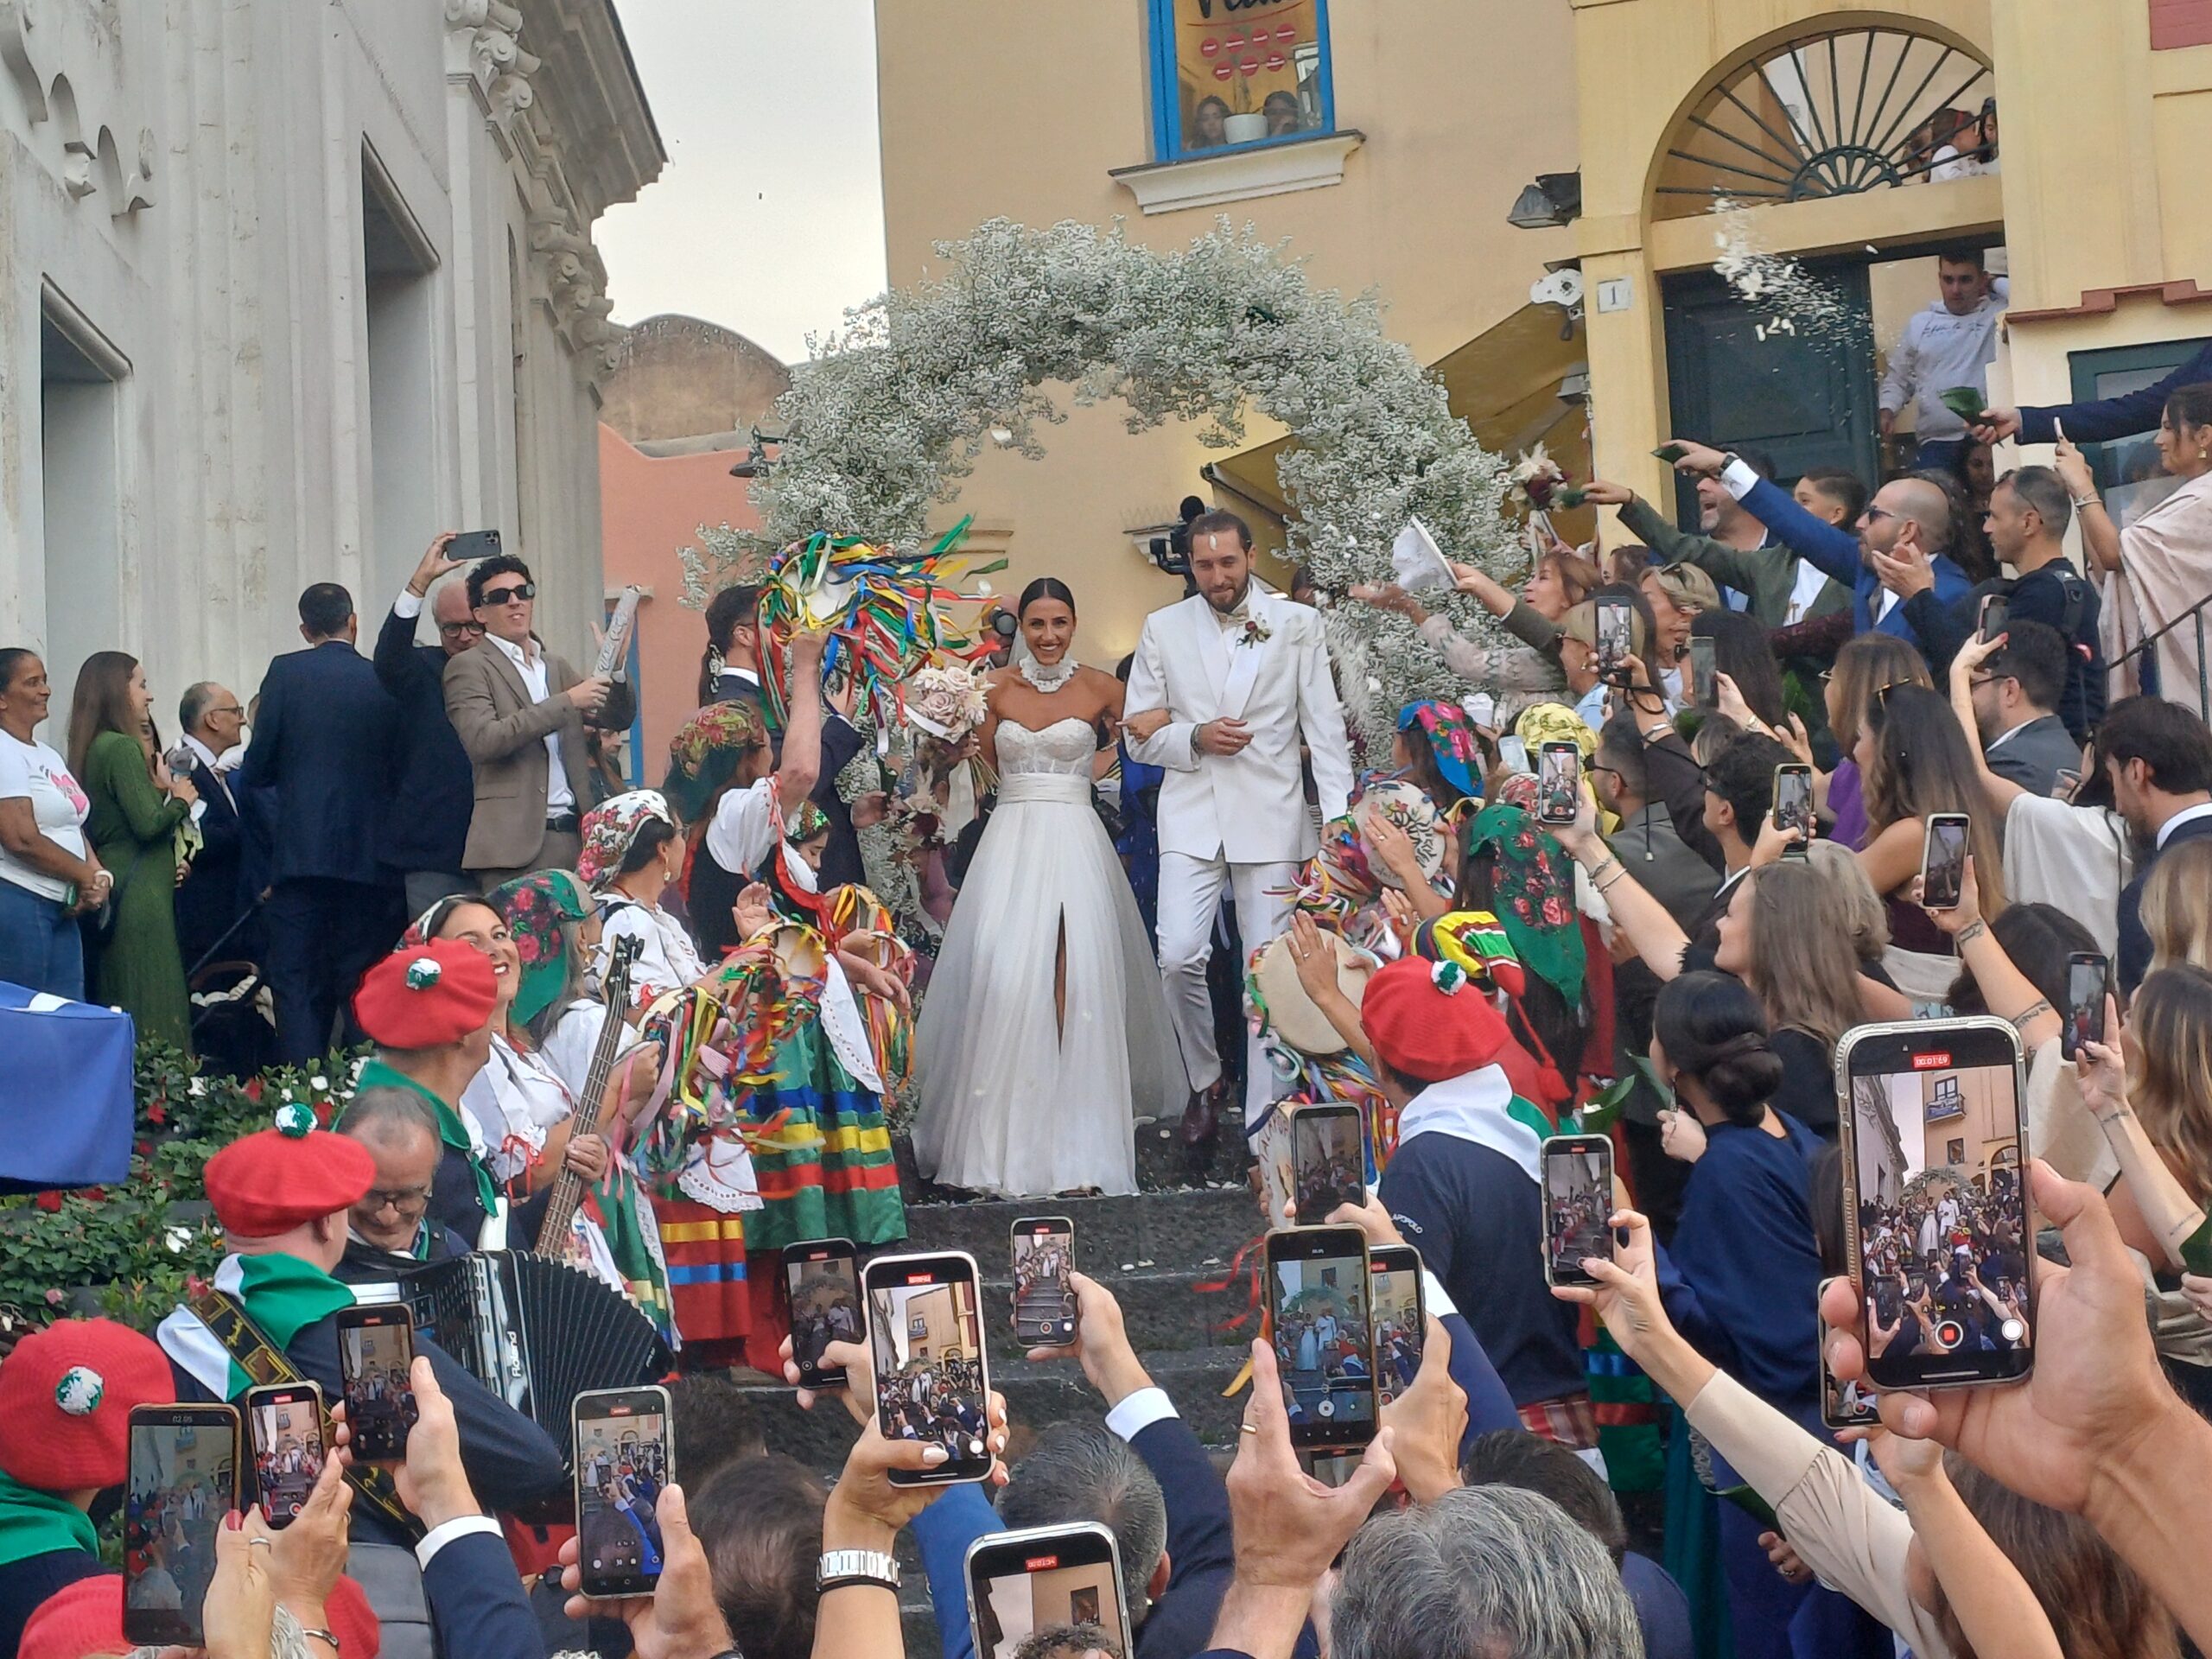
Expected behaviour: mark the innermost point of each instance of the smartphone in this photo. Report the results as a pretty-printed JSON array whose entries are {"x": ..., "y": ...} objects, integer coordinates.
[
  {"x": 1616, "y": 632},
  {"x": 1513, "y": 750},
  {"x": 182, "y": 1480},
  {"x": 283, "y": 1424},
  {"x": 2067, "y": 780},
  {"x": 2089, "y": 980},
  {"x": 623, "y": 1461},
  {"x": 1401, "y": 1316},
  {"x": 1317, "y": 1311},
  {"x": 1331, "y": 1468},
  {"x": 1996, "y": 613},
  {"x": 1670, "y": 453},
  {"x": 1044, "y": 1291},
  {"x": 1024, "y": 1588},
  {"x": 822, "y": 1282},
  {"x": 1943, "y": 860},
  {"x": 1705, "y": 671},
  {"x": 376, "y": 1347},
  {"x": 932, "y": 1378},
  {"x": 474, "y": 544},
  {"x": 1559, "y": 784},
  {"x": 1936, "y": 1210},
  {"x": 1843, "y": 1405},
  {"x": 1578, "y": 1206},
  {"x": 1793, "y": 806},
  {"x": 1328, "y": 1158}
]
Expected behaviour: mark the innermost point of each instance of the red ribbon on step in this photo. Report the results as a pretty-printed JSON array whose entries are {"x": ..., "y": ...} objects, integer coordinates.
[{"x": 1214, "y": 1287}]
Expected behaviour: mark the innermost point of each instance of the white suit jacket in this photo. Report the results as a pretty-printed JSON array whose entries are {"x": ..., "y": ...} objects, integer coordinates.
[{"x": 1248, "y": 808}]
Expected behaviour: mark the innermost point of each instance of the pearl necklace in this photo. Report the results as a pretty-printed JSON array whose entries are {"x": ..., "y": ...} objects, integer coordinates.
[{"x": 1047, "y": 678}]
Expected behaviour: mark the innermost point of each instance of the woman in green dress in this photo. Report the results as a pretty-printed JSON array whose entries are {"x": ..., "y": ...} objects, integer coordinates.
[{"x": 137, "y": 811}]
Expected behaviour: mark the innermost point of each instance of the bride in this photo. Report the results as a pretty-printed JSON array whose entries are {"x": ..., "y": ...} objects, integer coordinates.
[{"x": 1044, "y": 1034}]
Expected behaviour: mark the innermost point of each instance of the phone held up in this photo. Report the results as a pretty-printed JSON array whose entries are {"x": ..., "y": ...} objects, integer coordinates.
[
  {"x": 1793, "y": 806},
  {"x": 1328, "y": 1158},
  {"x": 1936, "y": 1212},
  {"x": 822, "y": 1284},
  {"x": 182, "y": 1479},
  {"x": 1023, "y": 1584},
  {"x": 376, "y": 1349},
  {"x": 623, "y": 1459},
  {"x": 1996, "y": 616},
  {"x": 1401, "y": 1316},
  {"x": 933, "y": 1377},
  {"x": 1705, "y": 671},
  {"x": 1616, "y": 635},
  {"x": 284, "y": 1429},
  {"x": 472, "y": 545},
  {"x": 1044, "y": 1285},
  {"x": 2088, "y": 981},
  {"x": 1559, "y": 784},
  {"x": 1943, "y": 860},
  {"x": 1320, "y": 1305},
  {"x": 1578, "y": 1206}
]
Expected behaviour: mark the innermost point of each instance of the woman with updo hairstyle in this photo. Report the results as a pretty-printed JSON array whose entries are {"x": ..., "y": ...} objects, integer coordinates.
[{"x": 1745, "y": 1249}]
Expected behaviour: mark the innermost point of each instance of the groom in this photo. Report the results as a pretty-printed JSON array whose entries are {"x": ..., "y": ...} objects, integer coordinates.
[{"x": 1242, "y": 676}]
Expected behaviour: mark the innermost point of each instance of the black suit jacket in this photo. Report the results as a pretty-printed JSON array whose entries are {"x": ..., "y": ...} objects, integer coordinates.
[
  {"x": 511, "y": 1463},
  {"x": 322, "y": 738},
  {"x": 2135, "y": 940},
  {"x": 433, "y": 786},
  {"x": 477, "y": 1602},
  {"x": 215, "y": 895}
]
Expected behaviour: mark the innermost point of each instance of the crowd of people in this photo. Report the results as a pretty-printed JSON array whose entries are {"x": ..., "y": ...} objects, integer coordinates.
[{"x": 420, "y": 850}]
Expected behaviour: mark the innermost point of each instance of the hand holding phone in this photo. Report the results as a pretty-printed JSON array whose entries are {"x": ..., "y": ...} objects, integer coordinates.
[
  {"x": 1328, "y": 1158},
  {"x": 1578, "y": 1206},
  {"x": 1559, "y": 784},
  {"x": 1943, "y": 860},
  {"x": 2089, "y": 980},
  {"x": 623, "y": 1462},
  {"x": 1320, "y": 1312},
  {"x": 284, "y": 1430},
  {"x": 822, "y": 1282},
  {"x": 1401, "y": 1316},
  {"x": 182, "y": 1480},
  {"x": 933, "y": 1375},
  {"x": 1044, "y": 1307},
  {"x": 1793, "y": 806},
  {"x": 1705, "y": 670},
  {"x": 376, "y": 1350}
]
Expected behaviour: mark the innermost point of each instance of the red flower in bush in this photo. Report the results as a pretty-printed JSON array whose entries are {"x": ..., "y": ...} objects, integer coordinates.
[
  {"x": 253, "y": 1089},
  {"x": 49, "y": 1202}
]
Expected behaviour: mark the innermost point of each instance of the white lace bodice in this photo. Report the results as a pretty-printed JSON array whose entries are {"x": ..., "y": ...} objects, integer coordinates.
[{"x": 1063, "y": 749}]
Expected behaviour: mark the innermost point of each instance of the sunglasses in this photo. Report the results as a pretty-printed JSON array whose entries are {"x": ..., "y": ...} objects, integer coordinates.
[{"x": 508, "y": 596}]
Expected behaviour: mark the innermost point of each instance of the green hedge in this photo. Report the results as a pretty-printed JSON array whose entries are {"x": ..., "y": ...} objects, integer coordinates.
[{"x": 129, "y": 1251}]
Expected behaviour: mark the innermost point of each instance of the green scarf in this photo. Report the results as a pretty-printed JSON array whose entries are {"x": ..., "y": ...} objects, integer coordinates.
[
  {"x": 282, "y": 1295},
  {"x": 451, "y": 1130},
  {"x": 33, "y": 1522}
]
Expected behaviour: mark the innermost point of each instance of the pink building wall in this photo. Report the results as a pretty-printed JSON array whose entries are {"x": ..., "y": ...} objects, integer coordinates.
[{"x": 651, "y": 507}]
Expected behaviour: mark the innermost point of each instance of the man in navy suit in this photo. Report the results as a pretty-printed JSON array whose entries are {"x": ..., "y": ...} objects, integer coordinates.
[
  {"x": 322, "y": 741},
  {"x": 434, "y": 785},
  {"x": 2158, "y": 757},
  {"x": 213, "y": 895}
]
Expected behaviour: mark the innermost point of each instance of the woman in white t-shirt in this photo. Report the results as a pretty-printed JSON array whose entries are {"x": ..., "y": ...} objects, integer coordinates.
[{"x": 47, "y": 871}]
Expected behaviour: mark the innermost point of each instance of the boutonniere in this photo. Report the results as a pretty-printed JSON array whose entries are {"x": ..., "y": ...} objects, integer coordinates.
[{"x": 1255, "y": 632}]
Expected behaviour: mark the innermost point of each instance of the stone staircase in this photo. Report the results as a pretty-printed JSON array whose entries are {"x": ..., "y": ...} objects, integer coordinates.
[{"x": 1150, "y": 1248}]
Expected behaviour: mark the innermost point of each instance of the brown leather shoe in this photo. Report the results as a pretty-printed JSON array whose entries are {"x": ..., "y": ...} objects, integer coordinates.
[{"x": 1202, "y": 1117}]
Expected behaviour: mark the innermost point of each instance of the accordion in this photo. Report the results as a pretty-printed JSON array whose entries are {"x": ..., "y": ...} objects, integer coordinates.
[{"x": 535, "y": 1330}]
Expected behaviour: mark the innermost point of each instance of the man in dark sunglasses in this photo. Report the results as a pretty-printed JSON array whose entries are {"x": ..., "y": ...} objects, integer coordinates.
[{"x": 520, "y": 711}]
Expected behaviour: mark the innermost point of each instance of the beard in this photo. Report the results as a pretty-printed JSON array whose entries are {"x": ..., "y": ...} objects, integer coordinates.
[{"x": 1243, "y": 591}]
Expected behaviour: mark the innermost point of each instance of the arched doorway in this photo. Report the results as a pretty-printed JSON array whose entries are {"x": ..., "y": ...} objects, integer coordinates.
[{"x": 1796, "y": 169}]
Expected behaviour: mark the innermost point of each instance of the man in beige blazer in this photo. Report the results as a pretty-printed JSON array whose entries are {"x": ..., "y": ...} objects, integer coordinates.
[{"x": 520, "y": 712}]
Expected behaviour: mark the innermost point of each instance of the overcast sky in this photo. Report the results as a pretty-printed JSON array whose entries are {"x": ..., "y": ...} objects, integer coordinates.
[{"x": 768, "y": 217}]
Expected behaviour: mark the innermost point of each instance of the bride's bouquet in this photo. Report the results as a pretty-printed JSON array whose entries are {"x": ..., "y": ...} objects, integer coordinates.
[{"x": 944, "y": 700}]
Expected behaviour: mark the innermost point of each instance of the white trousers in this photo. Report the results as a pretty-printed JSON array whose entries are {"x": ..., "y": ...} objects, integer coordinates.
[{"x": 1190, "y": 898}]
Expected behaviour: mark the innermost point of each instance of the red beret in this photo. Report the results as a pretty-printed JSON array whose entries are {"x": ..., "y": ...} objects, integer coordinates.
[
  {"x": 283, "y": 1177},
  {"x": 426, "y": 995},
  {"x": 66, "y": 1394},
  {"x": 1428, "y": 1020}
]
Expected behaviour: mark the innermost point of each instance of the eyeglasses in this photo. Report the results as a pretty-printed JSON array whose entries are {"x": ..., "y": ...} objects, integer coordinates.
[
  {"x": 1873, "y": 513},
  {"x": 228, "y": 709},
  {"x": 447, "y": 628},
  {"x": 402, "y": 1200},
  {"x": 508, "y": 596}
]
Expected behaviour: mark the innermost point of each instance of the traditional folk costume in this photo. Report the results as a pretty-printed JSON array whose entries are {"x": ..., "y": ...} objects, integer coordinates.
[{"x": 526, "y": 1090}]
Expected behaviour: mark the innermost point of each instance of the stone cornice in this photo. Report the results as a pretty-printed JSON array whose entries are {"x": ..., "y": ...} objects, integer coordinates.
[{"x": 63, "y": 76}]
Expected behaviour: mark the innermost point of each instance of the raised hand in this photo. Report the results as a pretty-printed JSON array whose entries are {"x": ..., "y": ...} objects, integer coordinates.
[{"x": 434, "y": 564}]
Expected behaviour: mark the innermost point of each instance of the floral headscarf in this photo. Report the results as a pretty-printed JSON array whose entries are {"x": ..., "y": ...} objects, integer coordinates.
[
  {"x": 703, "y": 754},
  {"x": 536, "y": 909},
  {"x": 807, "y": 821},
  {"x": 1532, "y": 888},
  {"x": 610, "y": 827},
  {"x": 1450, "y": 737},
  {"x": 1555, "y": 722}
]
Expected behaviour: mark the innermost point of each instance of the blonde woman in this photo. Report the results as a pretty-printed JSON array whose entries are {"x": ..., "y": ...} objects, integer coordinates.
[{"x": 2177, "y": 906}]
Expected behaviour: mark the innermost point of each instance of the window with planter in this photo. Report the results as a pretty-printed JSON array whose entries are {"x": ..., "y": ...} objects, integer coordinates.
[{"x": 1234, "y": 74}]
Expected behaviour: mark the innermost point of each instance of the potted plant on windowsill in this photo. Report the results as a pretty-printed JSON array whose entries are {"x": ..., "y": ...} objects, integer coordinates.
[{"x": 1246, "y": 127}]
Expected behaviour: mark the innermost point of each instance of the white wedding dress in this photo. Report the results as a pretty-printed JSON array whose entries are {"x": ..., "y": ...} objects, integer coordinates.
[{"x": 1011, "y": 1102}]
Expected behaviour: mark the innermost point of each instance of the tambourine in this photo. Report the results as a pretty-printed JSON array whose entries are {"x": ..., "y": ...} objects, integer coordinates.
[
  {"x": 1404, "y": 806},
  {"x": 1291, "y": 1014}
]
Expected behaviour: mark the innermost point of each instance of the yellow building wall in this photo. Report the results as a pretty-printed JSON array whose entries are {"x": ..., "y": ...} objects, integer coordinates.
[{"x": 991, "y": 108}]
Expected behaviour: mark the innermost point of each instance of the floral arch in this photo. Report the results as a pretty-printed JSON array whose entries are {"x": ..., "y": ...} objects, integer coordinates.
[{"x": 892, "y": 412}]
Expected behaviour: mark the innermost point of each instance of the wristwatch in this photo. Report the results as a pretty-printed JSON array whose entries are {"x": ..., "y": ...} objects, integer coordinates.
[{"x": 840, "y": 1567}]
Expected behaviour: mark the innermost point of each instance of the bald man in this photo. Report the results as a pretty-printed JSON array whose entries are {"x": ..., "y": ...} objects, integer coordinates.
[
  {"x": 436, "y": 790},
  {"x": 1902, "y": 543}
]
